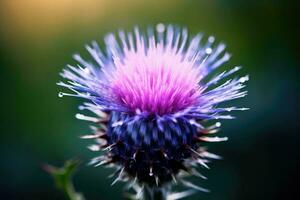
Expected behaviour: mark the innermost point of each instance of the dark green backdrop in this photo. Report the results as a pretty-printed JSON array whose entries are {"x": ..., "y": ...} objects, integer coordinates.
[{"x": 37, "y": 39}]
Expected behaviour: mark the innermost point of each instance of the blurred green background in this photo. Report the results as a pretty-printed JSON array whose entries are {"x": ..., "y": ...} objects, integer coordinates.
[{"x": 37, "y": 39}]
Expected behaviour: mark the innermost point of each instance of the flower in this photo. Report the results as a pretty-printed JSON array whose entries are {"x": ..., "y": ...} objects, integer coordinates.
[{"x": 152, "y": 95}]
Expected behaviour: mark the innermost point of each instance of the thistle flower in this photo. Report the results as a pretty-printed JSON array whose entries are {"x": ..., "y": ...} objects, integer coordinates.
[{"x": 152, "y": 95}]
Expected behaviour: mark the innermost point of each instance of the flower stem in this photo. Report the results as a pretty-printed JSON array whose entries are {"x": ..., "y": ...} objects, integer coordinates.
[{"x": 156, "y": 193}]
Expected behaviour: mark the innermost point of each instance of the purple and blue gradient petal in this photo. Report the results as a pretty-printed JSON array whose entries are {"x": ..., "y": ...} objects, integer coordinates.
[{"x": 157, "y": 74}]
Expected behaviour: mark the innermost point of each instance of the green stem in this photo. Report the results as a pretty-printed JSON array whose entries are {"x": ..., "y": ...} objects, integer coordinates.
[
  {"x": 156, "y": 193},
  {"x": 63, "y": 178},
  {"x": 70, "y": 192}
]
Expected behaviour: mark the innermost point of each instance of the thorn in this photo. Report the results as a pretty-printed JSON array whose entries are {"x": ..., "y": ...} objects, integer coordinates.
[
  {"x": 114, "y": 173},
  {"x": 97, "y": 159},
  {"x": 132, "y": 183},
  {"x": 89, "y": 136},
  {"x": 194, "y": 151},
  {"x": 180, "y": 195},
  {"x": 110, "y": 147},
  {"x": 174, "y": 179},
  {"x": 164, "y": 154},
  {"x": 135, "y": 155},
  {"x": 199, "y": 160},
  {"x": 86, "y": 118},
  {"x": 140, "y": 192},
  {"x": 119, "y": 177},
  {"x": 213, "y": 139},
  {"x": 102, "y": 143},
  {"x": 198, "y": 174},
  {"x": 94, "y": 147},
  {"x": 210, "y": 155},
  {"x": 103, "y": 162},
  {"x": 207, "y": 131},
  {"x": 93, "y": 128},
  {"x": 193, "y": 186},
  {"x": 156, "y": 180},
  {"x": 151, "y": 171}
]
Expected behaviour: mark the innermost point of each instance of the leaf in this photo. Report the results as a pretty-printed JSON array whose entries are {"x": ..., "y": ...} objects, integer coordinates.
[{"x": 63, "y": 178}]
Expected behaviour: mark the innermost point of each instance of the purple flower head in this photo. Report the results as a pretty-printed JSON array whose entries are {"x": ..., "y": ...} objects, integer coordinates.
[
  {"x": 151, "y": 94},
  {"x": 155, "y": 79}
]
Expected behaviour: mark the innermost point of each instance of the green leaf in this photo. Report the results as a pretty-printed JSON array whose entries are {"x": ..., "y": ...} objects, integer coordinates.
[{"x": 63, "y": 178}]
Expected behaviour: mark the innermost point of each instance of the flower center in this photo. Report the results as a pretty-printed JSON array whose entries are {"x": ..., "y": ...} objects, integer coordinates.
[{"x": 156, "y": 82}]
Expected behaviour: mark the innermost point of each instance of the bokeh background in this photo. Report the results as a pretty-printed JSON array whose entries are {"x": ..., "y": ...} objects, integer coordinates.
[{"x": 37, "y": 39}]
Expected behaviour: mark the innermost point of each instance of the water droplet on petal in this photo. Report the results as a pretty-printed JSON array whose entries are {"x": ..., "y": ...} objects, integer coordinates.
[
  {"x": 218, "y": 124},
  {"x": 160, "y": 28},
  {"x": 211, "y": 39},
  {"x": 208, "y": 50}
]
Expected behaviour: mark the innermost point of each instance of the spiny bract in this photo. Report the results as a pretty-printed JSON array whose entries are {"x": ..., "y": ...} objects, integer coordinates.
[{"x": 151, "y": 93}]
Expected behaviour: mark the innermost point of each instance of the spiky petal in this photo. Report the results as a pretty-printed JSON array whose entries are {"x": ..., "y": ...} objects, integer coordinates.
[{"x": 150, "y": 94}]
